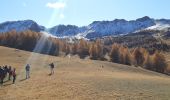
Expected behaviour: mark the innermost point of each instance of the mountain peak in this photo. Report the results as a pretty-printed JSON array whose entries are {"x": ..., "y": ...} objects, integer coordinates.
[
  {"x": 20, "y": 26},
  {"x": 145, "y": 18}
]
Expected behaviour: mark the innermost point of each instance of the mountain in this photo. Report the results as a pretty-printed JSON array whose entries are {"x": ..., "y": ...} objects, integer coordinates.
[
  {"x": 63, "y": 30},
  {"x": 118, "y": 26},
  {"x": 161, "y": 24},
  {"x": 20, "y": 26},
  {"x": 96, "y": 29},
  {"x": 103, "y": 28},
  {"x": 99, "y": 29}
]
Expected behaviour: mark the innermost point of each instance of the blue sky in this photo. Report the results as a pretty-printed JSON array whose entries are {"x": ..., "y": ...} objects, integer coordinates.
[{"x": 81, "y": 12}]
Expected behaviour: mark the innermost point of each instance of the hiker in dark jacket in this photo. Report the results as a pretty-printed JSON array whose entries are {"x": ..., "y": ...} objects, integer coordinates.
[
  {"x": 14, "y": 75},
  {"x": 52, "y": 68},
  {"x": 5, "y": 68},
  {"x": 1, "y": 75},
  {"x": 27, "y": 68}
]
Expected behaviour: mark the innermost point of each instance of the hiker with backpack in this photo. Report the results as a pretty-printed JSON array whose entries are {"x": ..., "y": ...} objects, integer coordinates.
[
  {"x": 52, "y": 68},
  {"x": 27, "y": 68}
]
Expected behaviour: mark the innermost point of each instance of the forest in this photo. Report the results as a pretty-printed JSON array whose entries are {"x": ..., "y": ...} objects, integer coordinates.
[{"x": 96, "y": 50}]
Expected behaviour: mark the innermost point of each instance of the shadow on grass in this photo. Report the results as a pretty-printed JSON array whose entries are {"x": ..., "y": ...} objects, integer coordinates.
[
  {"x": 23, "y": 79},
  {"x": 7, "y": 84},
  {"x": 6, "y": 81},
  {"x": 49, "y": 74}
]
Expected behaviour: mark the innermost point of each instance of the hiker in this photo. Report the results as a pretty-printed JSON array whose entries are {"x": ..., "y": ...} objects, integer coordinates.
[
  {"x": 14, "y": 75},
  {"x": 9, "y": 73},
  {"x": 52, "y": 68},
  {"x": 2, "y": 76},
  {"x": 5, "y": 68},
  {"x": 27, "y": 68},
  {"x": 3, "y": 73}
]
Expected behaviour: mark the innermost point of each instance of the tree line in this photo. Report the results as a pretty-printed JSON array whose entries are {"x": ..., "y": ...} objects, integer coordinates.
[{"x": 96, "y": 50}]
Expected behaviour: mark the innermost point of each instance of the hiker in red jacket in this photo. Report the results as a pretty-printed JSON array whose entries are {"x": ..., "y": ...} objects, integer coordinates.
[
  {"x": 9, "y": 73},
  {"x": 14, "y": 75}
]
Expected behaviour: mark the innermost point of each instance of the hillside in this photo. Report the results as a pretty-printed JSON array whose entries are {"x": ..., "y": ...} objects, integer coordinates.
[{"x": 78, "y": 79}]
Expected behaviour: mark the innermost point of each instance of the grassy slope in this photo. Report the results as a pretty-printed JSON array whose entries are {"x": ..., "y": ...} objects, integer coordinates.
[{"x": 78, "y": 79}]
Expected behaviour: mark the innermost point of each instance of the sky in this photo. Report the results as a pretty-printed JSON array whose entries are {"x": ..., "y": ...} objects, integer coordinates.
[{"x": 81, "y": 12}]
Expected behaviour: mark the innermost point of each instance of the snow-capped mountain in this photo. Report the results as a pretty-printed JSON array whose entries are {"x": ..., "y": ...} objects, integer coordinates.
[
  {"x": 161, "y": 24},
  {"x": 62, "y": 30},
  {"x": 67, "y": 31},
  {"x": 111, "y": 28},
  {"x": 118, "y": 26},
  {"x": 103, "y": 28},
  {"x": 20, "y": 26},
  {"x": 93, "y": 30}
]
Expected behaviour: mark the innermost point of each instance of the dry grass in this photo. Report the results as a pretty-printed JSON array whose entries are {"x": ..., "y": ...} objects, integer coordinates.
[{"x": 77, "y": 79}]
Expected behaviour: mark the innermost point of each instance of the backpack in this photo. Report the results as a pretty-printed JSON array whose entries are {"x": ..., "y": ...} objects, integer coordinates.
[
  {"x": 27, "y": 68},
  {"x": 52, "y": 65},
  {"x": 13, "y": 73}
]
